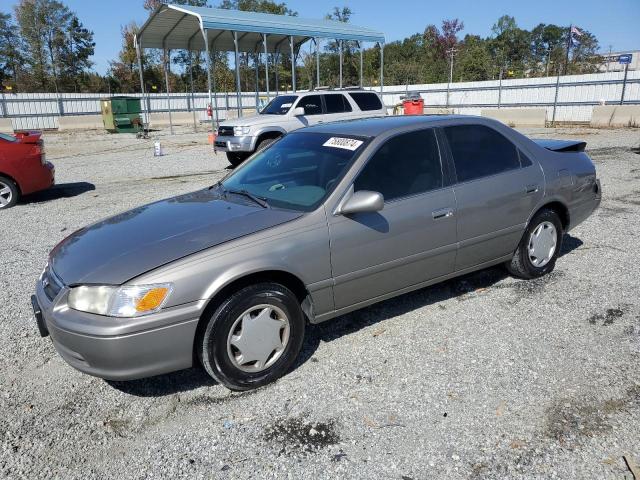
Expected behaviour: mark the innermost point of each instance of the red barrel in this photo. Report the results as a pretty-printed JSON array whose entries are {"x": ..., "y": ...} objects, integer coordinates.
[{"x": 413, "y": 106}]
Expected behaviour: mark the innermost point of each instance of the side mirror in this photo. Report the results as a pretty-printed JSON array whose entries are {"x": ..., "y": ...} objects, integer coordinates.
[
  {"x": 363, "y": 201},
  {"x": 298, "y": 112}
]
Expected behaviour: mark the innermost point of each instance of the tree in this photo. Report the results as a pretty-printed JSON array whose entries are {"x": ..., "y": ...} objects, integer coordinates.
[
  {"x": 10, "y": 56},
  {"x": 510, "y": 46},
  {"x": 57, "y": 47},
  {"x": 124, "y": 72},
  {"x": 76, "y": 53}
]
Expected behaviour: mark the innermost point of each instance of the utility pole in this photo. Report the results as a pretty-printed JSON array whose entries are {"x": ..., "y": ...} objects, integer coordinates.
[{"x": 451, "y": 52}]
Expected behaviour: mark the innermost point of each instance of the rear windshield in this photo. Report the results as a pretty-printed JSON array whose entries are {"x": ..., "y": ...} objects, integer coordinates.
[
  {"x": 298, "y": 171},
  {"x": 366, "y": 100},
  {"x": 279, "y": 105},
  {"x": 8, "y": 138}
]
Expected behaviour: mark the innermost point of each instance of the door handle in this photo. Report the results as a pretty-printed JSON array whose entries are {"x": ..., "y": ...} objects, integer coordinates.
[
  {"x": 532, "y": 189},
  {"x": 442, "y": 213}
]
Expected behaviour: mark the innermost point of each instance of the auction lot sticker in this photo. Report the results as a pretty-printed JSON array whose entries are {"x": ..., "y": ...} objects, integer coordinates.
[{"x": 340, "y": 142}]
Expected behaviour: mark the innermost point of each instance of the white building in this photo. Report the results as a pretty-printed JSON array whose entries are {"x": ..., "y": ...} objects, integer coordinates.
[{"x": 612, "y": 63}]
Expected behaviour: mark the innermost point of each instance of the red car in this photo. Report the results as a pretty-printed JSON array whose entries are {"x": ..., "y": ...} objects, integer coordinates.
[{"x": 23, "y": 168}]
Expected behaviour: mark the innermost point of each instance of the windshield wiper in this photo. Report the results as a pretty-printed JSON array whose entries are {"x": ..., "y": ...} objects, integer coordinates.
[{"x": 259, "y": 200}]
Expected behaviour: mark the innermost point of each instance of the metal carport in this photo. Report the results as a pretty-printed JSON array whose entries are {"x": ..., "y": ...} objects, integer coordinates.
[{"x": 182, "y": 27}]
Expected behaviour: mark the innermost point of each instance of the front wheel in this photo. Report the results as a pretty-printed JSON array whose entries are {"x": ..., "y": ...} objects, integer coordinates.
[
  {"x": 236, "y": 158},
  {"x": 253, "y": 337},
  {"x": 9, "y": 193},
  {"x": 539, "y": 248}
]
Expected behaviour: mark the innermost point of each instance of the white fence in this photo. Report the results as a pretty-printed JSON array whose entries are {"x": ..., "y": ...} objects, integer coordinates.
[{"x": 576, "y": 96}]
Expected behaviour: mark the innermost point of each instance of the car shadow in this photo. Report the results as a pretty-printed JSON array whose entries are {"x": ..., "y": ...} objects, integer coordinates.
[
  {"x": 196, "y": 377},
  {"x": 61, "y": 190},
  {"x": 434, "y": 294}
]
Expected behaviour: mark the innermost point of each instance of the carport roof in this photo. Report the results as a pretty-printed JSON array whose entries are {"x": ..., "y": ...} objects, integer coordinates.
[{"x": 179, "y": 27}]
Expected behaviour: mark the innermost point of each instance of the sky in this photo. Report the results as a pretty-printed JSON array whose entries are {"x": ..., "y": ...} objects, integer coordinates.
[{"x": 616, "y": 23}]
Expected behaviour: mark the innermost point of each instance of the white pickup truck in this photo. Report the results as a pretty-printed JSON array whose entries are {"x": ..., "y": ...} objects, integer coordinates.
[{"x": 240, "y": 137}]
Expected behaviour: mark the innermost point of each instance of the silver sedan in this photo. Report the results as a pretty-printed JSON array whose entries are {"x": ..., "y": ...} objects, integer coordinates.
[{"x": 325, "y": 221}]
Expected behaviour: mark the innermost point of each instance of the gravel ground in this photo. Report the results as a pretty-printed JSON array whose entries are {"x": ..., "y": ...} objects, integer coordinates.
[{"x": 480, "y": 377}]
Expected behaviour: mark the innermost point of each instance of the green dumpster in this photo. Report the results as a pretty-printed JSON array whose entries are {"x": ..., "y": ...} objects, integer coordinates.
[{"x": 121, "y": 114}]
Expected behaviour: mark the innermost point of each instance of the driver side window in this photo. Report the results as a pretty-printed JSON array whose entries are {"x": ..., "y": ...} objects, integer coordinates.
[
  {"x": 312, "y": 104},
  {"x": 405, "y": 165}
]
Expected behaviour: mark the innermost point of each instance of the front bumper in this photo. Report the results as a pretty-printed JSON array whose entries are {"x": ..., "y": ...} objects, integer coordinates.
[
  {"x": 118, "y": 349},
  {"x": 234, "y": 144}
]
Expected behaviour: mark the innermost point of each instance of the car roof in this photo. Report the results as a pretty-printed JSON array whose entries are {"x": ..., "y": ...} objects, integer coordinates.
[
  {"x": 374, "y": 126},
  {"x": 324, "y": 91}
]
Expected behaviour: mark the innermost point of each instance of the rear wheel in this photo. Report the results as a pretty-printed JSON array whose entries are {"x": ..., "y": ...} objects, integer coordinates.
[
  {"x": 253, "y": 337},
  {"x": 9, "y": 193},
  {"x": 539, "y": 248},
  {"x": 236, "y": 158}
]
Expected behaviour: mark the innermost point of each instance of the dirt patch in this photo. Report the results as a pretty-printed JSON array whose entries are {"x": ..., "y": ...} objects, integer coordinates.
[
  {"x": 607, "y": 318},
  {"x": 571, "y": 420},
  {"x": 298, "y": 435}
]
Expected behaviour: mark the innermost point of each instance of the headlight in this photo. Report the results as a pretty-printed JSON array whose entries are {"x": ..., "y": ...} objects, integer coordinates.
[
  {"x": 126, "y": 302},
  {"x": 237, "y": 131}
]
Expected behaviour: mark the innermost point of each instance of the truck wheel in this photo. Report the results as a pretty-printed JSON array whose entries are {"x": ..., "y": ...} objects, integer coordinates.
[
  {"x": 265, "y": 143},
  {"x": 253, "y": 337},
  {"x": 236, "y": 158},
  {"x": 9, "y": 193},
  {"x": 538, "y": 250}
]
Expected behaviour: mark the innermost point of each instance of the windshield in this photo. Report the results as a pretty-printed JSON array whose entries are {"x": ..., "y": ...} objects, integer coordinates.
[
  {"x": 298, "y": 171},
  {"x": 8, "y": 138},
  {"x": 279, "y": 105}
]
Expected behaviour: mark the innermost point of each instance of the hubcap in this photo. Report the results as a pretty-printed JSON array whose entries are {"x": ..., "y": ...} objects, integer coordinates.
[
  {"x": 5, "y": 194},
  {"x": 258, "y": 338},
  {"x": 542, "y": 244}
]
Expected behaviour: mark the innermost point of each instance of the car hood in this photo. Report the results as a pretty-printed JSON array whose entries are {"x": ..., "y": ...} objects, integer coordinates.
[
  {"x": 253, "y": 120},
  {"x": 120, "y": 248}
]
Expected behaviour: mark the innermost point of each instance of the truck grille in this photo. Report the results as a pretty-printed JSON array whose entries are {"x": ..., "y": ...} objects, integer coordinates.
[
  {"x": 225, "y": 131},
  {"x": 51, "y": 283}
]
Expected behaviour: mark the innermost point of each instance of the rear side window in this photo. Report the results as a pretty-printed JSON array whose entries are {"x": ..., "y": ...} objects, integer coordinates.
[
  {"x": 405, "y": 165},
  {"x": 480, "y": 151},
  {"x": 366, "y": 100},
  {"x": 336, "y": 103},
  {"x": 312, "y": 105}
]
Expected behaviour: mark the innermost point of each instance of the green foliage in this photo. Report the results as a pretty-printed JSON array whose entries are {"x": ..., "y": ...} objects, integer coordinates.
[{"x": 55, "y": 46}]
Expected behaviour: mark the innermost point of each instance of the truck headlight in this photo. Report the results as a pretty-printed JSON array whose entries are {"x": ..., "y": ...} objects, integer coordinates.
[
  {"x": 125, "y": 302},
  {"x": 237, "y": 131}
]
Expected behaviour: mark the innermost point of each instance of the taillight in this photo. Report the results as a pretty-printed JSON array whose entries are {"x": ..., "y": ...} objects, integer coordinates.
[{"x": 41, "y": 149}]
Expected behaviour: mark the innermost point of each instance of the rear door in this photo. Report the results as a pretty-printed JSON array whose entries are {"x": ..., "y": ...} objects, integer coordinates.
[
  {"x": 368, "y": 103},
  {"x": 337, "y": 107},
  {"x": 412, "y": 240},
  {"x": 496, "y": 191}
]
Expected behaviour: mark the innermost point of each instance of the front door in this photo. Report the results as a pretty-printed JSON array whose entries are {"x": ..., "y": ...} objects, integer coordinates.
[
  {"x": 412, "y": 240},
  {"x": 313, "y": 111}
]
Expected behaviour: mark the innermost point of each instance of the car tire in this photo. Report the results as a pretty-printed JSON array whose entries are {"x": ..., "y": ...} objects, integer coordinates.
[
  {"x": 9, "y": 193},
  {"x": 539, "y": 247},
  {"x": 248, "y": 324},
  {"x": 265, "y": 143},
  {"x": 236, "y": 158}
]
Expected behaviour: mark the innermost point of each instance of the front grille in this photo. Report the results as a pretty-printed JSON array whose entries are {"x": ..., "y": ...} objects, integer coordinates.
[
  {"x": 225, "y": 131},
  {"x": 51, "y": 283}
]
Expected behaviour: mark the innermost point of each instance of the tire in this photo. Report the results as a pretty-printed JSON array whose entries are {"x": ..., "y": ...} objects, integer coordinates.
[
  {"x": 265, "y": 143},
  {"x": 527, "y": 263},
  {"x": 224, "y": 340},
  {"x": 236, "y": 158},
  {"x": 9, "y": 193}
]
